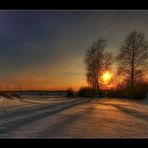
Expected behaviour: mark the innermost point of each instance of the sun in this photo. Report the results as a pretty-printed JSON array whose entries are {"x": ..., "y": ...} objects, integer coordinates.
[{"x": 106, "y": 77}]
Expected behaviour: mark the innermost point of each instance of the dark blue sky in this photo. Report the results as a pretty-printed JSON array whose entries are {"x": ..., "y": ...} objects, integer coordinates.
[{"x": 45, "y": 49}]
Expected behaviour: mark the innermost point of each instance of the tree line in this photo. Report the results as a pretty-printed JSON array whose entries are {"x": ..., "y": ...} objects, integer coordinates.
[{"x": 132, "y": 60}]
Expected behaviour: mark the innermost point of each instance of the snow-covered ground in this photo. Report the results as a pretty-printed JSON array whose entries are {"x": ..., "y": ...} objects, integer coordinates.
[{"x": 72, "y": 117}]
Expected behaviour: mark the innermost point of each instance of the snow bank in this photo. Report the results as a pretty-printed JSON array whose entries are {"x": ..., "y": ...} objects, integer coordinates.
[{"x": 8, "y": 102}]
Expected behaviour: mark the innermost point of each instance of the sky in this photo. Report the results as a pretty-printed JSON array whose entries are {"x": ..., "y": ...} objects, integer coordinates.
[{"x": 45, "y": 49}]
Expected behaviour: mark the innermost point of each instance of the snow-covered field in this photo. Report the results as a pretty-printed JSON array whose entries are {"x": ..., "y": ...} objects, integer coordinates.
[{"x": 72, "y": 117}]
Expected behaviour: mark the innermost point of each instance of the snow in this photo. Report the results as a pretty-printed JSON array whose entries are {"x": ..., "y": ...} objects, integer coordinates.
[
  {"x": 44, "y": 117},
  {"x": 10, "y": 102}
]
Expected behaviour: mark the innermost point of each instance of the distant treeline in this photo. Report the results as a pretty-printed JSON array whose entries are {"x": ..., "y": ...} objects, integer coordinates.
[
  {"x": 138, "y": 93},
  {"x": 42, "y": 91},
  {"x": 37, "y": 91}
]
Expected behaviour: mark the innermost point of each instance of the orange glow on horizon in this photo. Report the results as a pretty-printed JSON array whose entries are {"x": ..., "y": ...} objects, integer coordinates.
[{"x": 108, "y": 80}]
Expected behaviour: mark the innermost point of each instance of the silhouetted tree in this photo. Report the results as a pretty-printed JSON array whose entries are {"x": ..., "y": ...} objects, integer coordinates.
[
  {"x": 97, "y": 60},
  {"x": 69, "y": 92},
  {"x": 132, "y": 57}
]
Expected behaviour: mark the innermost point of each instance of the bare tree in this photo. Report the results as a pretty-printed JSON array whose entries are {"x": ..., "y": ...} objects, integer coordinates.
[
  {"x": 97, "y": 60},
  {"x": 7, "y": 88},
  {"x": 132, "y": 58}
]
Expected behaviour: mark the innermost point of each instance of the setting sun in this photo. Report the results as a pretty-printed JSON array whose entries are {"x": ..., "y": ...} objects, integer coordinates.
[{"x": 106, "y": 77}]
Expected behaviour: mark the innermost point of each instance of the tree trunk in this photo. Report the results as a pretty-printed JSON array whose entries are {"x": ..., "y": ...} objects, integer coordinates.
[
  {"x": 132, "y": 66},
  {"x": 97, "y": 83}
]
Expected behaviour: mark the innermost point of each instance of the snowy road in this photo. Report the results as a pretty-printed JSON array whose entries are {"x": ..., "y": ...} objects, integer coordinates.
[{"x": 80, "y": 118}]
